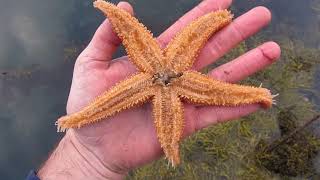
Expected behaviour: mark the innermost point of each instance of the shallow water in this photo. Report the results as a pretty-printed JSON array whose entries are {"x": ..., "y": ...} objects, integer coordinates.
[{"x": 39, "y": 41}]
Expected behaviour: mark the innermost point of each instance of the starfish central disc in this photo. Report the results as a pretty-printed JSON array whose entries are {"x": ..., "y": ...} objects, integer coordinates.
[{"x": 166, "y": 78}]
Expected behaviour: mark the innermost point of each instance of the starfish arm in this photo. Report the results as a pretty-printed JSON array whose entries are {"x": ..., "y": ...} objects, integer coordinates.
[
  {"x": 124, "y": 95},
  {"x": 185, "y": 47},
  {"x": 143, "y": 50},
  {"x": 202, "y": 89},
  {"x": 168, "y": 116}
]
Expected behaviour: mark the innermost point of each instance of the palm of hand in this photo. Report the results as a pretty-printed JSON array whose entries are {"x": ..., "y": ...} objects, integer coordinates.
[{"x": 128, "y": 139}]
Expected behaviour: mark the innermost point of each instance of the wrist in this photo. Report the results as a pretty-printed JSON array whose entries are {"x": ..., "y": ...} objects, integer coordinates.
[{"x": 72, "y": 160}]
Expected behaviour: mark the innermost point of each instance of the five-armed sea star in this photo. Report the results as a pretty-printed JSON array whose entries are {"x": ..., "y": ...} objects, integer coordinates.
[{"x": 165, "y": 77}]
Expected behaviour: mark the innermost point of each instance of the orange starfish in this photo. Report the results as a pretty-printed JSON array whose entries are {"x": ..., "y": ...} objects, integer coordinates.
[{"x": 165, "y": 78}]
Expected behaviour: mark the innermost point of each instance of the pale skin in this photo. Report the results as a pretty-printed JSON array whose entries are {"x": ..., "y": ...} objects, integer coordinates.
[{"x": 112, "y": 147}]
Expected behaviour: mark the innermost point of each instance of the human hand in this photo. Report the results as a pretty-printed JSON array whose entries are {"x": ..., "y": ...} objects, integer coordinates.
[{"x": 127, "y": 140}]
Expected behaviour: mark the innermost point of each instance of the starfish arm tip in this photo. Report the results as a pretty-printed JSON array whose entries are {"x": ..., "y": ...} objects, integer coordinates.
[{"x": 61, "y": 124}]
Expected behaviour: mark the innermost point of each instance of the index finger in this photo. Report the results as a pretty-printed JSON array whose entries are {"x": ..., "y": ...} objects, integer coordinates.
[{"x": 201, "y": 9}]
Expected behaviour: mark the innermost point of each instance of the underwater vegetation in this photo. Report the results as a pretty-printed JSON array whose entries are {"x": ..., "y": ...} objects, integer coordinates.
[
  {"x": 273, "y": 144},
  {"x": 293, "y": 153},
  {"x": 21, "y": 73}
]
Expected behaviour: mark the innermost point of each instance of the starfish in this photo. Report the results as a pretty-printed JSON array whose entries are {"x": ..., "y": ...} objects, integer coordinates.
[{"x": 165, "y": 78}]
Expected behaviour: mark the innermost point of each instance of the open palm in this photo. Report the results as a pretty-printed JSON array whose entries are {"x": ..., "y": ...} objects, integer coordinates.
[{"x": 128, "y": 139}]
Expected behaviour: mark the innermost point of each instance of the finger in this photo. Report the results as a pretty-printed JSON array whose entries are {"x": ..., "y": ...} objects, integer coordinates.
[
  {"x": 247, "y": 64},
  {"x": 203, "y": 8},
  {"x": 211, "y": 115},
  {"x": 105, "y": 42},
  {"x": 240, "y": 29}
]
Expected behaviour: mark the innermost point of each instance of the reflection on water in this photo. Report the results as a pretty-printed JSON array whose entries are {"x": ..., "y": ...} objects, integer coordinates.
[{"x": 41, "y": 39}]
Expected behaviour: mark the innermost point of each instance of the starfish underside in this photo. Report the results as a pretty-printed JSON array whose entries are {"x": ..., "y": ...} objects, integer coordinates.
[{"x": 164, "y": 77}]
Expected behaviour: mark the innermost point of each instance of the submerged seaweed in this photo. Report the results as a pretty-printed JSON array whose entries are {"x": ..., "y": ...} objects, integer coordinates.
[{"x": 292, "y": 154}]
